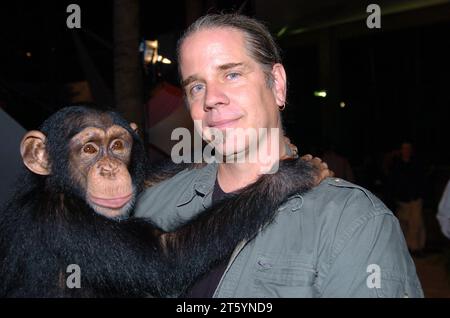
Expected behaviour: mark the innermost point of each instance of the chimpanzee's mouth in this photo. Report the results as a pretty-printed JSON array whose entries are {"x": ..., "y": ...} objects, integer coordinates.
[{"x": 111, "y": 203}]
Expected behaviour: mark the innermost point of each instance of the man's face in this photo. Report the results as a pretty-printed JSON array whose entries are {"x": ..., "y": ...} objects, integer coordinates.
[{"x": 225, "y": 87}]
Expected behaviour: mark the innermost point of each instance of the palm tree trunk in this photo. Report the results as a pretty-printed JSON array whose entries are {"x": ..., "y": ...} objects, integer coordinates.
[{"x": 127, "y": 66}]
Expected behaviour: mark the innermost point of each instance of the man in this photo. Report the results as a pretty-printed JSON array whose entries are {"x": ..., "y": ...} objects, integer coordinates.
[
  {"x": 443, "y": 214},
  {"x": 337, "y": 240},
  {"x": 407, "y": 180}
]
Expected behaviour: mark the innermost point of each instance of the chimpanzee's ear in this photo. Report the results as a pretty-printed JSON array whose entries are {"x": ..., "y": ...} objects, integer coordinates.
[
  {"x": 34, "y": 154},
  {"x": 134, "y": 127}
]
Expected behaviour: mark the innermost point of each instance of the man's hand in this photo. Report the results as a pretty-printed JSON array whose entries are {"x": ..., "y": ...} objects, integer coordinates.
[{"x": 322, "y": 168}]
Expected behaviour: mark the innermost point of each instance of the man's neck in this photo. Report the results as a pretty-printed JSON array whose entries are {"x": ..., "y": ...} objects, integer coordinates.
[{"x": 234, "y": 176}]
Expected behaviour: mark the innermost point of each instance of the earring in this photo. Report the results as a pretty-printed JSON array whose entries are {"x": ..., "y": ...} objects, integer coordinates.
[{"x": 281, "y": 108}]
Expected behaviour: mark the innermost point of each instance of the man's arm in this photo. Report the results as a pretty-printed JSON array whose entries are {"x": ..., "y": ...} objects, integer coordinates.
[{"x": 371, "y": 260}]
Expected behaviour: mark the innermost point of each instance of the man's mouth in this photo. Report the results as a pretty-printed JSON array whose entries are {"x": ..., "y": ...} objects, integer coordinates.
[
  {"x": 224, "y": 123},
  {"x": 111, "y": 203}
]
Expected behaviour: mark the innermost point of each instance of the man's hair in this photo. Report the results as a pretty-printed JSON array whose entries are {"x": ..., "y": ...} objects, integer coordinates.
[{"x": 260, "y": 43}]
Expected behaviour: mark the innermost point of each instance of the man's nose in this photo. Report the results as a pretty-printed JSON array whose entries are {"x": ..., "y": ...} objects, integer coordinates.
[{"x": 215, "y": 96}]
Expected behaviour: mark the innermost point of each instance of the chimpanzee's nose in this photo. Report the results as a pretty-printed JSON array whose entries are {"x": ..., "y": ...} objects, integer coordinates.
[{"x": 108, "y": 169}]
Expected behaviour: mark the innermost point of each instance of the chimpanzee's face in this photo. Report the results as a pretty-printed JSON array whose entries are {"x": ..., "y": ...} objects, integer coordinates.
[
  {"x": 99, "y": 159},
  {"x": 98, "y": 156}
]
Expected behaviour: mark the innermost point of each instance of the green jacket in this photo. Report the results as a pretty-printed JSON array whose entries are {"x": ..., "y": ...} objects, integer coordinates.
[{"x": 337, "y": 240}]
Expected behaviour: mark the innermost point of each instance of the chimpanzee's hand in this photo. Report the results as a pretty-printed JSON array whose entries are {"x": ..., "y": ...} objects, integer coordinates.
[
  {"x": 322, "y": 169},
  {"x": 292, "y": 151}
]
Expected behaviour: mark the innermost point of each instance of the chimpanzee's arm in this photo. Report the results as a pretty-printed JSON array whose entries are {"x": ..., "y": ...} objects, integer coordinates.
[
  {"x": 212, "y": 236},
  {"x": 132, "y": 256}
]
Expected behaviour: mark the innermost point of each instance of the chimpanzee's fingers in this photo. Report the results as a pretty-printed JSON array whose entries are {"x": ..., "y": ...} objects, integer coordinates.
[{"x": 316, "y": 161}]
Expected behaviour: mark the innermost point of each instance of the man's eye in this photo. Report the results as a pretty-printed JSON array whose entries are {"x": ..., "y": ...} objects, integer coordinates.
[
  {"x": 117, "y": 145},
  {"x": 233, "y": 76},
  {"x": 89, "y": 149},
  {"x": 196, "y": 89}
]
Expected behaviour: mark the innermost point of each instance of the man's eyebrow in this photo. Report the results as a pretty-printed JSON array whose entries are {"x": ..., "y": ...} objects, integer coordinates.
[
  {"x": 227, "y": 66},
  {"x": 188, "y": 80},
  {"x": 222, "y": 67}
]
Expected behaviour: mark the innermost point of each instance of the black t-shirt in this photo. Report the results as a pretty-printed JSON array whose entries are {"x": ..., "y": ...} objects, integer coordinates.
[{"x": 206, "y": 286}]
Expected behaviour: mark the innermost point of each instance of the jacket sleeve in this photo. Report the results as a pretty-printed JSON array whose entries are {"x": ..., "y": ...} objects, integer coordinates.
[
  {"x": 170, "y": 202},
  {"x": 371, "y": 259}
]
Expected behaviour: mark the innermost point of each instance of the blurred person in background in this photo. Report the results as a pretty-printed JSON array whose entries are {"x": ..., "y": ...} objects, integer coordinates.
[{"x": 406, "y": 188}]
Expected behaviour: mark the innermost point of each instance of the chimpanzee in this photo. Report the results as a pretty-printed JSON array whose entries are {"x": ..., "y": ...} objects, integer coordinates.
[{"x": 85, "y": 169}]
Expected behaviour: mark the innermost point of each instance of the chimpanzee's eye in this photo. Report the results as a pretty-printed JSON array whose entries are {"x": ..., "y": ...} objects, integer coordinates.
[
  {"x": 89, "y": 149},
  {"x": 117, "y": 145}
]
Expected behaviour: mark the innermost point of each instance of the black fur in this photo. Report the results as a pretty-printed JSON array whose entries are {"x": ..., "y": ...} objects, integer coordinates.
[{"x": 48, "y": 226}]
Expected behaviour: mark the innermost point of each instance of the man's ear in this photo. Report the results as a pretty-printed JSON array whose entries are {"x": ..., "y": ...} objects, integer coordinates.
[
  {"x": 279, "y": 84},
  {"x": 34, "y": 154},
  {"x": 134, "y": 126}
]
